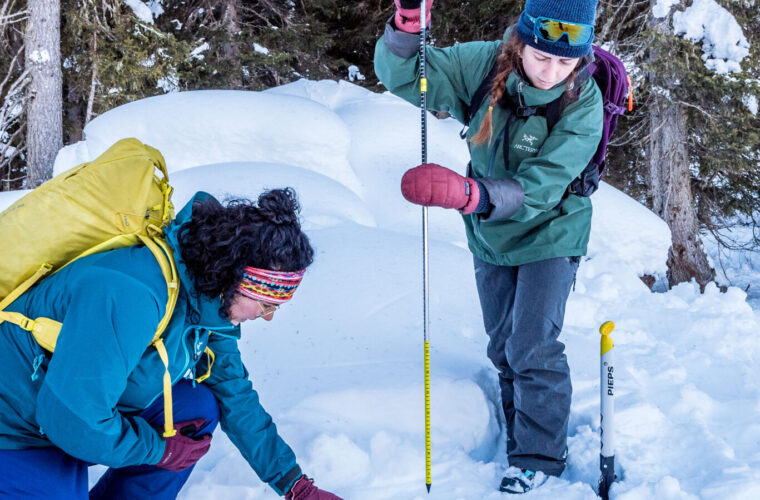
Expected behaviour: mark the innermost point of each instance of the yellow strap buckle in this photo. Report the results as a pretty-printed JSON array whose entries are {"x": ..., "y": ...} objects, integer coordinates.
[
  {"x": 27, "y": 324},
  {"x": 208, "y": 352}
]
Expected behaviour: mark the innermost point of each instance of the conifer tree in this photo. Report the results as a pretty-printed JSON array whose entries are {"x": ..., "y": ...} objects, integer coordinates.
[{"x": 718, "y": 135}]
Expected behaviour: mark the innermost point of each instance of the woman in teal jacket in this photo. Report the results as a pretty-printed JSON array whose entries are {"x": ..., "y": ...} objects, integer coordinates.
[
  {"x": 525, "y": 231},
  {"x": 98, "y": 399}
]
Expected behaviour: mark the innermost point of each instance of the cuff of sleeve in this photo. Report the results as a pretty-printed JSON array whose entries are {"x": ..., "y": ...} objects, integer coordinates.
[
  {"x": 506, "y": 197},
  {"x": 484, "y": 205},
  {"x": 399, "y": 42},
  {"x": 284, "y": 484}
]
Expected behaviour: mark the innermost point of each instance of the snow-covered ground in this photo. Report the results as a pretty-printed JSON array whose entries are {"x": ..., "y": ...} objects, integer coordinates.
[
  {"x": 340, "y": 368},
  {"x": 739, "y": 267}
]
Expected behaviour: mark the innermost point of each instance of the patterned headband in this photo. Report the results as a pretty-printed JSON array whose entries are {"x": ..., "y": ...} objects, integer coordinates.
[{"x": 274, "y": 287}]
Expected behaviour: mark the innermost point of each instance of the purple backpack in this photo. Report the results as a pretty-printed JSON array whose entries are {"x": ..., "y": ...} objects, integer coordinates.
[{"x": 617, "y": 96}]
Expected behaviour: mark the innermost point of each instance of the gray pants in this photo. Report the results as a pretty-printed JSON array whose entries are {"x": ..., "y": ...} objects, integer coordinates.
[{"x": 523, "y": 310}]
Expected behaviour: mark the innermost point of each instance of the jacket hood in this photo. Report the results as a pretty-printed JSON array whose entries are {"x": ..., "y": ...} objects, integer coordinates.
[{"x": 206, "y": 308}]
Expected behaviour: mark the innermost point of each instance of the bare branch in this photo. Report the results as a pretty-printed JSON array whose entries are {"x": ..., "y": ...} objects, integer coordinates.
[
  {"x": 708, "y": 115},
  {"x": 93, "y": 80}
]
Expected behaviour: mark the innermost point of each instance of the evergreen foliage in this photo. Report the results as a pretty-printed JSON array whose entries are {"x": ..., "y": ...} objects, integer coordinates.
[
  {"x": 112, "y": 57},
  {"x": 13, "y": 80},
  {"x": 251, "y": 45}
]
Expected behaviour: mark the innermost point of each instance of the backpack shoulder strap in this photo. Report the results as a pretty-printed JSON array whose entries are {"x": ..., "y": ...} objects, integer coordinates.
[
  {"x": 483, "y": 90},
  {"x": 555, "y": 108},
  {"x": 163, "y": 254},
  {"x": 480, "y": 94}
]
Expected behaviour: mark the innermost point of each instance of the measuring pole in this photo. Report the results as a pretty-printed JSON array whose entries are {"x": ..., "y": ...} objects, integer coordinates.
[
  {"x": 607, "y": 427},
  {"x": 425, "y": 279}
]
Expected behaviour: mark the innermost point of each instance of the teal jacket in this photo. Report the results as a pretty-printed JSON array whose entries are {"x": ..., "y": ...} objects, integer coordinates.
[
  {"x": 543, "y": 164},
  {"x": 83, "y": 399}
]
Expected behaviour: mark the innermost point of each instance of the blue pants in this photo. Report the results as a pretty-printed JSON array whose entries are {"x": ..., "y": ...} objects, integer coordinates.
[
  {"x": 44, "y": 473},
  {"x": 523, "y": 310}
]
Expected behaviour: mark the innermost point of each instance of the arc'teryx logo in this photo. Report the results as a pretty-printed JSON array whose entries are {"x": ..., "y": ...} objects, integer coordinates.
[
  {"x": 530, "y": 139},
  {"x": 526, "y": 144}
]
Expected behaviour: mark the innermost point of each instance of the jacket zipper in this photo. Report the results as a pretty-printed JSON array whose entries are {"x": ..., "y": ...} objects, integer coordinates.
[{"x": 475, "y": 219}]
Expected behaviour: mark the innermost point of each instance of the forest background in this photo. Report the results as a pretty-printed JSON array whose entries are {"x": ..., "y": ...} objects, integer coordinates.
[{"x": 689, "y": 151}]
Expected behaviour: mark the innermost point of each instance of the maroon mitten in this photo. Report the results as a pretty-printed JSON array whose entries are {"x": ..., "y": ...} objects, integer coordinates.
[
  {"x": 184, "y": 451},
  {"x": 304, "y": 489},
  {"x": 432, "y": 185},
  {"x": 407, "y": 16}
]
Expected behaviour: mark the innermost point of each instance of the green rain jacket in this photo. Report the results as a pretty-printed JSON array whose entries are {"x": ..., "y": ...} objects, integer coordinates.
[
  {"x": 543, "y": 164},
  {"x": 84, "y": 399}
]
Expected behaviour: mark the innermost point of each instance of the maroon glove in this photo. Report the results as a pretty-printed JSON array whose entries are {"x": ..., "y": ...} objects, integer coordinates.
[
  {"x": 407, "y": 16},
  {"x": 183, "y": 451},
  {"x": 433, "y": 185},
  {"x": 304, "y": 489}
]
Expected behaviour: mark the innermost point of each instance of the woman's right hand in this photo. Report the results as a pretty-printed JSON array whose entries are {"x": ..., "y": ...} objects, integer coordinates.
[
  {"x": 432, "y": 185},
  {"x": 407, "y": 16}
]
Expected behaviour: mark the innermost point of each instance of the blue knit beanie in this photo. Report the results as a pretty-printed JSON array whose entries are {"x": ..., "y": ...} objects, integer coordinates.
[{"x": 571, "y": 11}]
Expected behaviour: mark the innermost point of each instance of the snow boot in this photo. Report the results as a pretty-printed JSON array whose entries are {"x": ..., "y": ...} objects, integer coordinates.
[{"x": 518, "y": 481}]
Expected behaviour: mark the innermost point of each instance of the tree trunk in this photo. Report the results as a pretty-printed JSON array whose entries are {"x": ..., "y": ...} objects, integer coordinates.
[
  {"x": 44, "y": 116},
  {"x": 672, "y": 198},
  {"x": 232, "y": 25},
  {"x": 670, "y": 179}
]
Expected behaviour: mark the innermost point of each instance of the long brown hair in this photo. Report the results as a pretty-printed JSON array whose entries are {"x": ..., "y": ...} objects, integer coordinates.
[{"x": 509, "y": 60}]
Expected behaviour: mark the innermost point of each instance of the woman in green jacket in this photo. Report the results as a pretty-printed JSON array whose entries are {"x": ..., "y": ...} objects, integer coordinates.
[{"x": 525, "y": 231}]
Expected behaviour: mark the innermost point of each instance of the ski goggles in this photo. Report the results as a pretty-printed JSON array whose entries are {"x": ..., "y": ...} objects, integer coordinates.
[{"x": 554, "y": 30}]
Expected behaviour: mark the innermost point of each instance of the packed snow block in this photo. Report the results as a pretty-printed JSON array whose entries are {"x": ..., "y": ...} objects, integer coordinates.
[
  {"x": 627, "y": 233},
  {"x": 329, "y": 93},
  {"x": 385, "y": 142},
  {"x": 324, "y": 201},
  {"x": 217, "y": 126}
]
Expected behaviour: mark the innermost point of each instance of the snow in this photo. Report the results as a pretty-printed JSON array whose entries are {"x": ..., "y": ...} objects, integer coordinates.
[
  {"x": 168, "y": 83},
  {"x": 740, "y": 267},
  {"x": 197, "y": 52},
  {"x": 662, "y": 7},
  {"x": 723, "y": 42},
  {"x": 149, "y": 62},
  {"x": 156, "y": 7},
  {"x": 7, "y": 151},
  {"x": 354, "y": 74},
  {"x": 340, "y": 368},
  {"x": 143, "y": 12},
  {"x": 260, "y": 49},
  {"x": 751, "y": 102},
  {"x": 39, "y": 56}
]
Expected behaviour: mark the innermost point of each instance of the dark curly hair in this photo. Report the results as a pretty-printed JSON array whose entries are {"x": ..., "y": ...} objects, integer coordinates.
[{"x": 219, "y": 241}]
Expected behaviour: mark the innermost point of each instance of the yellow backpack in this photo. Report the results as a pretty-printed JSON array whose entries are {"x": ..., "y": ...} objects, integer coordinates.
[{"x": 121, "y": 198}]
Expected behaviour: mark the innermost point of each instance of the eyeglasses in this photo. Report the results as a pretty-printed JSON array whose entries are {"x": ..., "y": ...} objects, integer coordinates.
[
  {"x": 553, "y": 30},
  {"x": 266, "y": 308}
]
